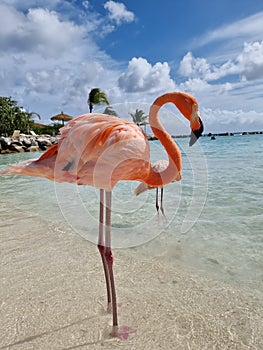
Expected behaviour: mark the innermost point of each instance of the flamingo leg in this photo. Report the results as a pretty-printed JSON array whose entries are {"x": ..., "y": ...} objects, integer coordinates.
[
  {"x": 157, "y": 200},
  {"x": 102, "y": 249},
  {"x": 109, "y": 259},
  {"x": 162, "y": 209},
  {"x": 161, "y": 201}
]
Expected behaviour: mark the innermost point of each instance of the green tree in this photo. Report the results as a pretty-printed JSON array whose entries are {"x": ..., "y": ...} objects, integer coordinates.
[
  {"x": 110, "y": 111},
  {"x": 10, "y": 115},
  {"x": 139, "y": 117},
  {"x": 97, "y": 97},
  {"x": 14, "y": 117}
]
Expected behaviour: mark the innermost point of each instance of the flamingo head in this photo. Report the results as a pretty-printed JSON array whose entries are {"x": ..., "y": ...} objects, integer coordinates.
[{"x": 188, "y": 106}]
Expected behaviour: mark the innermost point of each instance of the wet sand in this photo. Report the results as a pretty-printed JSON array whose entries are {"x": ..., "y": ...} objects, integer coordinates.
[{"x": 52, "y": 297}]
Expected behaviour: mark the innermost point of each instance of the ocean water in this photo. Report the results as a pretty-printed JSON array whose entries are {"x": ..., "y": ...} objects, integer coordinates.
[{"x": 213, "y": 223}]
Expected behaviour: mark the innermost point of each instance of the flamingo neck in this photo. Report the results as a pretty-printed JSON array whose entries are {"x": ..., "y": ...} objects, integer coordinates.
[{"x": 173, "y": 170}]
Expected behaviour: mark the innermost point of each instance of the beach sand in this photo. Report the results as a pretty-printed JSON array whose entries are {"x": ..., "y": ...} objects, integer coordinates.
[{"x": 52, "y": 296}]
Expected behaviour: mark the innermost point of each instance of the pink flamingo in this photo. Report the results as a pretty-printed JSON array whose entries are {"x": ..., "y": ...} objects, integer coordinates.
[{"x": 99, "y": 150}]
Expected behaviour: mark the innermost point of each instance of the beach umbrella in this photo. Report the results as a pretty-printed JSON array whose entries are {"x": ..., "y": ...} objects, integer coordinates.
[{"x": 62, "y": 117}]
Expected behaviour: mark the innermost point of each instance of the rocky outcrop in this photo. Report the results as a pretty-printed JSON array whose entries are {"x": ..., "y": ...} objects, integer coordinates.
[{"x": 26, "y": 143}]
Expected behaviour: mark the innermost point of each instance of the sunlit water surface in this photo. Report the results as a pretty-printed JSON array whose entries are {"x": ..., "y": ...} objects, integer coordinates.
[{"x": 213, "y": 222}]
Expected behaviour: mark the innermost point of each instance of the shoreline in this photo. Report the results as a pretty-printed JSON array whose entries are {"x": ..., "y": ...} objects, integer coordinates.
[
  {"x": 53, "y": 296},
  {"x": 40, "y": 143}
]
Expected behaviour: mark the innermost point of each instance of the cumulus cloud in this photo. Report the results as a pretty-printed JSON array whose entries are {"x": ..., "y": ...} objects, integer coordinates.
[
  {"x": 48, "y": 60},
  {"x": 199, "y": 68},
  {"x": 193, "y": 67},
  {"x": 142, "y": 76},
  {"x": 39, "y": 31},
  {"x": 194, "y": 85},
  {"x": 251, "y": 61},
  {"x": 224, "y": 120},
  {"x": 248, "y": 65},
  {"x": 118, "y": 12},
  {"x": 53, "y": 80}
]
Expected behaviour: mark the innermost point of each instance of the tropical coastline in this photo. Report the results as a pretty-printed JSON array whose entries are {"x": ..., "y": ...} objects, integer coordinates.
[{"x": 37, "y": 143}]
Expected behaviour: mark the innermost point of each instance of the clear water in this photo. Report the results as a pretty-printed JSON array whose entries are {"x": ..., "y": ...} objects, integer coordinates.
[{"x": 214, "y": 217}]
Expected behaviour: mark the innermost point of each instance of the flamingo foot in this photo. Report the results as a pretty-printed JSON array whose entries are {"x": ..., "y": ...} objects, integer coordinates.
[{"x": 122, "y": 332}]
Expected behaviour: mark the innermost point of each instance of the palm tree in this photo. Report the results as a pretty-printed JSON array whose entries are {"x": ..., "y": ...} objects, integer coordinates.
[
  {"x": 97, "y": 97},
  {"x": 110, "y": 111},
  {"x": 139, "y": 118},
  {"x": 29, "y": 121}
]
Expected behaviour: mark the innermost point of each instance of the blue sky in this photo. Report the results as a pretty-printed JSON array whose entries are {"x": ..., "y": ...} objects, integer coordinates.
[{"x": 54, "y": 51}]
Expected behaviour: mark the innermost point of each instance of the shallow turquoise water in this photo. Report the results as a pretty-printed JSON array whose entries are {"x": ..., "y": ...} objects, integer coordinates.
[{"x": 214, "y": 217}]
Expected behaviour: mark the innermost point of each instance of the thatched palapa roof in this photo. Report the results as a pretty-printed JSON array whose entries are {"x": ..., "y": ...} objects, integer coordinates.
[{"x": 62, "y": 117}]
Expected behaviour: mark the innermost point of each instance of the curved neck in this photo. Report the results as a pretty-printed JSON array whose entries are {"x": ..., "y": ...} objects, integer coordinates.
[{"x": 173, "y": 170}]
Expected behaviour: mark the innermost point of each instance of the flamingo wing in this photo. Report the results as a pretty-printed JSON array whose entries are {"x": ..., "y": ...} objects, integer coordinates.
[{"x": 106, "y": 149}]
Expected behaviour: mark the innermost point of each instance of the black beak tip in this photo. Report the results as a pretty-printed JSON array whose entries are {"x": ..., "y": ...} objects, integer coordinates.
[
  {"x": 196, "y": 134},
  {"x": 193, "y": 139}
]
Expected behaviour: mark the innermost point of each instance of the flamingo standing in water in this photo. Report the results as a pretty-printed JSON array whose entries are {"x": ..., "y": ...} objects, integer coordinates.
[{"x": 99, "y": 150}]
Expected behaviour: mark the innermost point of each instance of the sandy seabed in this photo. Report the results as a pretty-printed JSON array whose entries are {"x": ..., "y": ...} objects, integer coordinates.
[{"x": 52, "y": 297}]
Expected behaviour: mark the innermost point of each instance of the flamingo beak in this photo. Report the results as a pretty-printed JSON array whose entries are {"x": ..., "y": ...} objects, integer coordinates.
[{"x": 195, "y": 134}]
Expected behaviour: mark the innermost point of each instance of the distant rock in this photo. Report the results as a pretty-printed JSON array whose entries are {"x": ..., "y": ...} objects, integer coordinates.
[
  {"x": 16, "y": 148},
  {"x": 151, "y": 138},
  {"x": 43, "y": 143},
  {"x": 5, "y": 142},
  {"x": 26, "y": 143}
]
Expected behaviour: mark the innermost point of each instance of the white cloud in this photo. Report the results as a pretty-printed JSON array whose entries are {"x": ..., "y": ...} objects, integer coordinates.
[
  {"x": 142, "y": 76},
  {"x": 193, "y": 67},
  {"x": 224, "y": 120},
  {"x": 39, "y": 31},
  {"x": 247, "y": 29},
  {"x": 226, "y": 69},
  {"x": 199, "y": 68},
  {"x": 56, "y": 79},
  {"x": 248, "y": 65},
  {"x": 118, "y": 12},
  {"x": 10, "y": 21},
  {"x": 194, "y": 85},
  {"x": 50, "y": 60},
  {"x": 251, "y": 61},
  {"x": 229, "y": 94}
]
